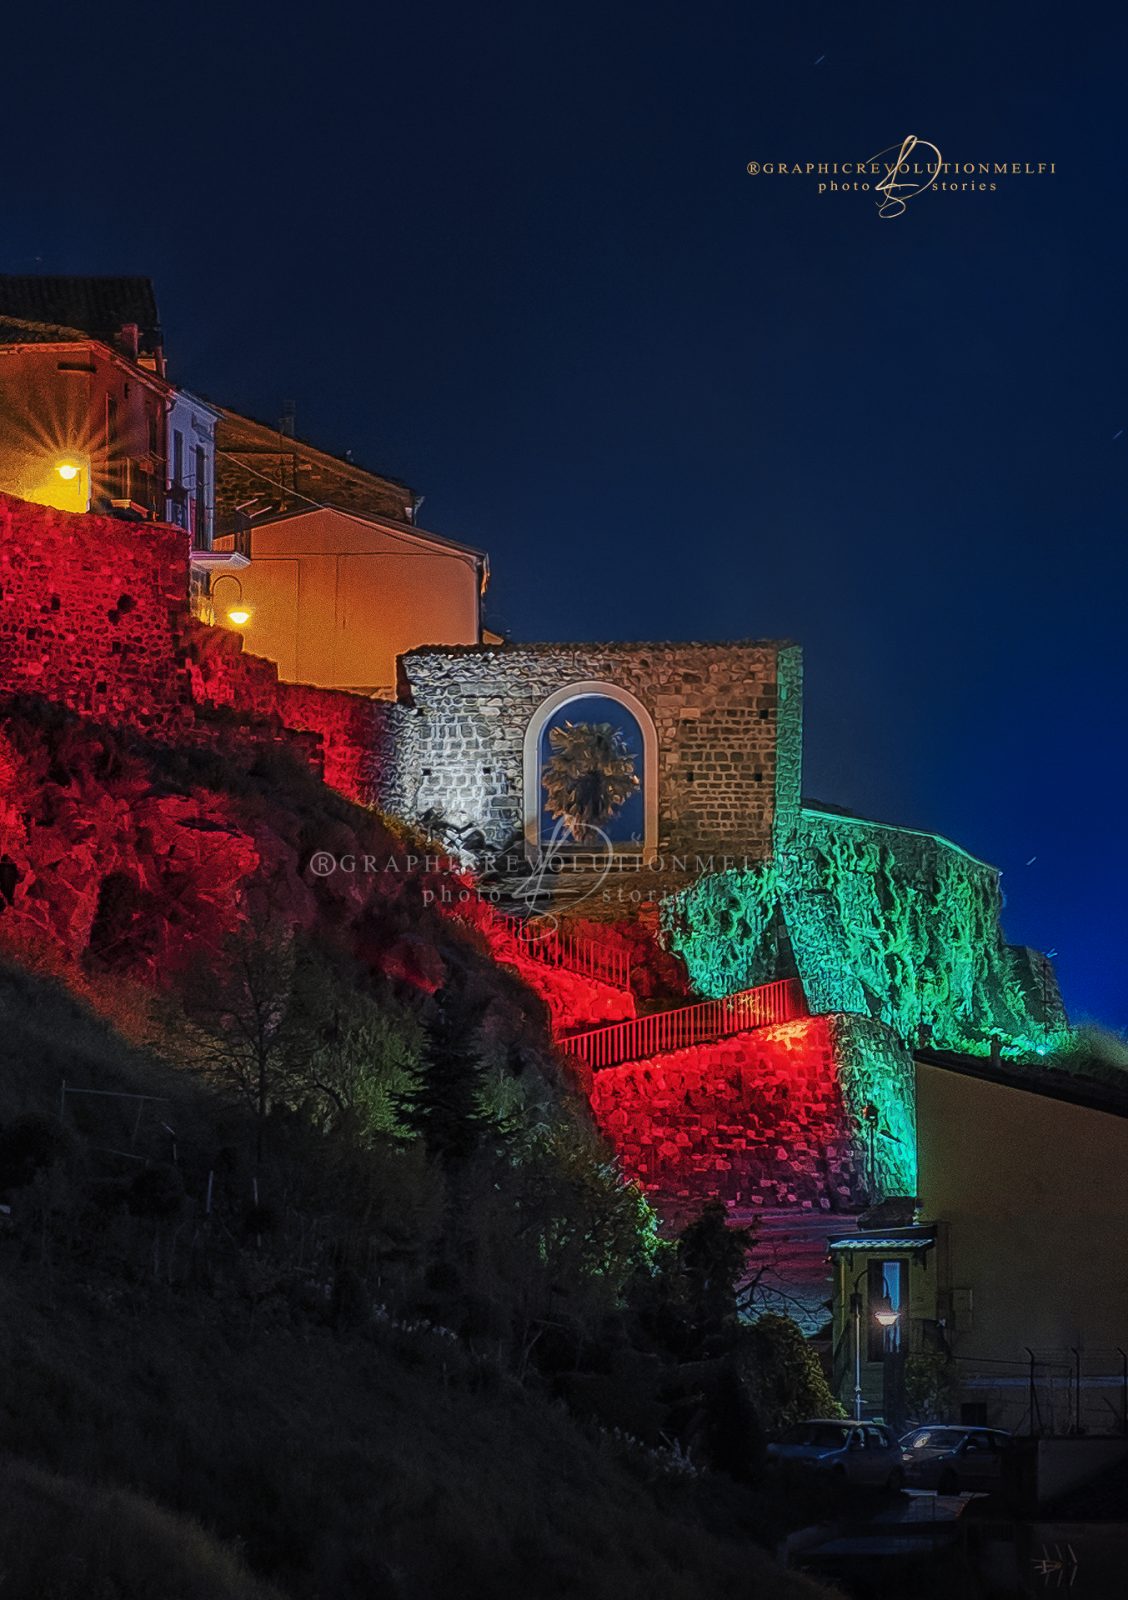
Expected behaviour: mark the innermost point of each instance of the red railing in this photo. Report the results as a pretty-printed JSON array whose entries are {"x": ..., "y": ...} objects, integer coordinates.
[
  {"x": 556, "y": 946},
  {"x": 662, "y": 1031}
]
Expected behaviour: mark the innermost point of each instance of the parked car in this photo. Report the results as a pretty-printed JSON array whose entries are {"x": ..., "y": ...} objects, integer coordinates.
[
  {"x": 950, "y": 1460},
  {"x": 863, "y": 1452}
]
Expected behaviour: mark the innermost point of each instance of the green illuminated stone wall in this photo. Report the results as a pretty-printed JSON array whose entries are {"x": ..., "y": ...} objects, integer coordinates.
[{"x": 879, "y": 921}]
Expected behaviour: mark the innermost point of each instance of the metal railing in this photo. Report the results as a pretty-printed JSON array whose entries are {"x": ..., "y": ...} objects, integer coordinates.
[
  {"x": 662, "y": 1031},
  {"x": 557, "y": 946}
]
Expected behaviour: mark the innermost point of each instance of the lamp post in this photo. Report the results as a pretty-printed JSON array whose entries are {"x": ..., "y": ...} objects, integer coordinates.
[
  {"x": 885, "y": 1315},
  {"x": 856, "y": 1309}
]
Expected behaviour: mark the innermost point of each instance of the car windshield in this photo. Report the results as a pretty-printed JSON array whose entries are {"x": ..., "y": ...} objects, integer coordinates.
[
  {"x": 829, "y": 1437},
  {"x": 934, "y": 1439},
  {"x": 824, "y": 1435}
]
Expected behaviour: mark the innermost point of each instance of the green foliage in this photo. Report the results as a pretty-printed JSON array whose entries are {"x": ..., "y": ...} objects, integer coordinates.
[
  {"x": 783, "y": 1374},
  {"x": 590, "y": 1221},
  {"x": 589, "y": 776},
  {"x": 931, "y": 1386},
  {"x": 721, "y": 927},
  {"x": 690, "y": 1305},
  {"x": 1091, "y": 1052},
  {"x": 446, "y": 1106}
]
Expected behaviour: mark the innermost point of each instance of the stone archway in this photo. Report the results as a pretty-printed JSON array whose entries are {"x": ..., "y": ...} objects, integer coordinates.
[{"x": 584, "y": 689}]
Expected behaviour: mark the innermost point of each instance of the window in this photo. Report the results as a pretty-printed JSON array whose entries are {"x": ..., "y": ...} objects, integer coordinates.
[
  {"x": 885, "y": 1280},
  {"x": 200, "y": 530},
  {"x": 974, "y": 1413}
]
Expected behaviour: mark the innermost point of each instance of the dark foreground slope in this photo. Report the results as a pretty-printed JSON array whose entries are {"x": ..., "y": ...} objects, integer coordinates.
[{"x": 192, "y": 1425}]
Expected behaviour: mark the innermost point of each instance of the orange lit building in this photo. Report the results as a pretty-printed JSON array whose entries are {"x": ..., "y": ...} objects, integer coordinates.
[
  {"x": 88, "y": 419},
  {"x": 335, "y": 596}
]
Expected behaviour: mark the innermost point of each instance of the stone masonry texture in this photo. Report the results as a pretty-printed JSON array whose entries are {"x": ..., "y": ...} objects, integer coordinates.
[
  {"x": 770, "y": 1118},
  {"x": 715, "y": 708}
]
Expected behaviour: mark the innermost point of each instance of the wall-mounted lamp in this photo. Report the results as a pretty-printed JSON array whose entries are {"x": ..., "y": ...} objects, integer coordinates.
[{"x": 238, "y": 613}]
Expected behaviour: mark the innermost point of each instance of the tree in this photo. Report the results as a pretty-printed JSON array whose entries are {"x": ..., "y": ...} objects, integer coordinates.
[
  {"x": 589, "y": 777},
  {"x": 446, "y": 1105},
  {"x": 712, "y": 1259},
  {"x": 237, "y": 1019}
]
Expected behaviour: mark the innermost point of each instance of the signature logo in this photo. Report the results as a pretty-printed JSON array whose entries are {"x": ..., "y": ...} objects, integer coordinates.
[
  {"x": 555, "y": 858},
  {"x": 904, "y": 177}
]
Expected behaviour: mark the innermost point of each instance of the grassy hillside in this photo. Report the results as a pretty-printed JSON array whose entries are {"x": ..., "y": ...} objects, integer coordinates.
[{"x": 204, "y": 1419}]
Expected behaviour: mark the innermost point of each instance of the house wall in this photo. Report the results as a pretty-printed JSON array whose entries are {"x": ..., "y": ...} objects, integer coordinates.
[
  {"x": 1031, "y": 1190},
  {"x": 716, "y": 709},
  {"x": 196, "y": 424},
  {"x": 335, "y": 600},
  {"x": 53, "y": 403}
]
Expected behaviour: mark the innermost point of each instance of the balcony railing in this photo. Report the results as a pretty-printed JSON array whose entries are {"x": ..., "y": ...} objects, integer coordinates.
[
  {"x": 559, "y": 947},
  {"x": 662, "y": 1031}
]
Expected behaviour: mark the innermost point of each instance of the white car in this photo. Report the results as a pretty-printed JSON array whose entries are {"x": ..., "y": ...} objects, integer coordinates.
[
  {"x": 950, "y": 1459},
  {"x": 862, "y": 1452}
]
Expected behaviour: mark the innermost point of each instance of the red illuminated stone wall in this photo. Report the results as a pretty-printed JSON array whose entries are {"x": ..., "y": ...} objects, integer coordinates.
[
  {"x": 351, "y": 736},
  {"x": 90, "y": 612},
  {"x": 94, "y": 615},
  {"x": 761, "y": 1119}
]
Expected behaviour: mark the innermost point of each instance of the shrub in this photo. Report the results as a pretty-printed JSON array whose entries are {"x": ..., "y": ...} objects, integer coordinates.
[{"x": 783, "y": 1374}]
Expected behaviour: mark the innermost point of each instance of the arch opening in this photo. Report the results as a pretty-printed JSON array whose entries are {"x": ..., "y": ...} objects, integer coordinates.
[{"x": 632, "y": 826}]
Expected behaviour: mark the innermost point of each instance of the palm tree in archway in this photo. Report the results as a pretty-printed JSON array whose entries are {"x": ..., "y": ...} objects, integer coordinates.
[{"x": 589, "y": 776}]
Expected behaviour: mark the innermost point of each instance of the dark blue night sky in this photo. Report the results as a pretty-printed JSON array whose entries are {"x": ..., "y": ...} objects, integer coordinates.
[{"x": 512, "y": 255}]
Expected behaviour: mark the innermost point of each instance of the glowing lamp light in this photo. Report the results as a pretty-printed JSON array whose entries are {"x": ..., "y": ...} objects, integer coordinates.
[
  {"x": 886, "y": 1314},
  {"x": 239, "y": 615},
  {"x": 68, "y": 471}
]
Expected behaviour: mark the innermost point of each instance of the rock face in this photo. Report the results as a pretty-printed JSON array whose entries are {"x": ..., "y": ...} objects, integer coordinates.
[{"x": 770, "y": 1118}]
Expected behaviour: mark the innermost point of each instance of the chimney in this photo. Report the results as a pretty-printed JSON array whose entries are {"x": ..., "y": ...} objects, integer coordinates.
[{"x": 129, "y": 339}]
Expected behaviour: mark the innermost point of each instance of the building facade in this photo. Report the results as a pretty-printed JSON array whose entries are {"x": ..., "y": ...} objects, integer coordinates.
[
  {"x": 1007, "y": 1268},
  {"x": 335, "y": 597}
]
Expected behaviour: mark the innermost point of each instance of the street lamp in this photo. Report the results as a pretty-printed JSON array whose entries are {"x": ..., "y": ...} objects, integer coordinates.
[
  {"x": 240, "y": 613},
  {"x": 885, "y": 1315}
]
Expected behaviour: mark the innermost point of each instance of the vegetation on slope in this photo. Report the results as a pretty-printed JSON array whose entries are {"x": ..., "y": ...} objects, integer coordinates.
[{"x": 327, "y": 1261}]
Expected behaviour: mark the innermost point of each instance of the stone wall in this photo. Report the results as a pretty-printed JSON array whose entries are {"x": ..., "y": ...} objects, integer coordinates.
[
  {"x": 715, "y": 707},
  {"x": 353, "y": 739},
  {"x": 90, "y": 610},
  {"x": 770, "y": 1118},
  {"x": 94, "y": 615}
]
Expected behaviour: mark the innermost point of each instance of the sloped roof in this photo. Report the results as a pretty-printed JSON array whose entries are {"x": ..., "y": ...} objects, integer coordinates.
[
  {"x": 249, "y": 435},
  {"x": 100, "y": 307},
  {"x": 1032, "y": 1077},
  {"x": 406, "y": 530},
  {"x": 18, "y": 330}
]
